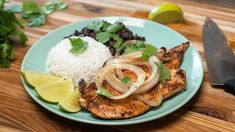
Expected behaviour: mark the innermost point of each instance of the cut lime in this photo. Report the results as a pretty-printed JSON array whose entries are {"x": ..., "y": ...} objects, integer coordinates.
[
  {"x": 37, "y": 79},
  {"x": 55, "y": 92},
  {"x": 166, "y": 13},
  {"x": 70, "y": 103}
]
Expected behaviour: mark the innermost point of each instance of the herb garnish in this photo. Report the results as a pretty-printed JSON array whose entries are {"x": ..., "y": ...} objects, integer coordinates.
[
  {"x": 104, "y": 92},
  {"x": 163, "y": 71},
  {"x": 103, "y": 37},
  {"x": 106, "y": 31},
  {"x": 78, "y": 45},
  {"x": 126, "y": 80},
  {"x": 149, "y": 50}
]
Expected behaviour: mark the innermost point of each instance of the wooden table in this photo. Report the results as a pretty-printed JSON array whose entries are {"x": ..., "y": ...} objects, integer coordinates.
[{"x": 210, "y": 110}]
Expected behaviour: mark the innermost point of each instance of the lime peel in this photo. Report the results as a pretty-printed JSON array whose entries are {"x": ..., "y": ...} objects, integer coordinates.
[
  {"x": 35, "y": 79},
  {"x": 55, "y": 92},
  {"x": 71, "y": 103},
  {"x": 166, "y": 13}
]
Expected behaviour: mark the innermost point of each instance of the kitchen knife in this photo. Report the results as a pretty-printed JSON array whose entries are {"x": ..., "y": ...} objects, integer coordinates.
[{"x": 219, "y": 57}]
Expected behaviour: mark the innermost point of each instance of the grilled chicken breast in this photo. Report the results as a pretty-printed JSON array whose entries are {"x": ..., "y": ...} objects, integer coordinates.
[
  {"x": 175, "y": 55},
  {"x": 106, "y": 108}
]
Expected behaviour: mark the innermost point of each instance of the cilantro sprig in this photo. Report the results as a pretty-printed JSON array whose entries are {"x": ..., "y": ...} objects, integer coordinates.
[
  {"x": 78, "y": 45},
  {"x": 104, "y": 92},
  {"x": 9, "y": 26},
  {"x": 106, "y": 31},
  {"x": 149, "y": 51},
  {"x": 34, "y": 14},
  {"x": 164, "y": 72},
  {"x": 126, "y": 80}
]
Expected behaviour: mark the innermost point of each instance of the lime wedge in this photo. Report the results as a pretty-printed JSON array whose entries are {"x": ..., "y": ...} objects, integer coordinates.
[
  {"x": 70, "y": 103},
  {"x": 55, "y": 92},
  {"x": 37, "y": 79},
  {"x": 166, "y": 13}
]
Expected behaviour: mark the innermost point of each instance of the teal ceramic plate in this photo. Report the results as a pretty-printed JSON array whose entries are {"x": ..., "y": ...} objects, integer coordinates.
[{"x": 154, "y": 33}]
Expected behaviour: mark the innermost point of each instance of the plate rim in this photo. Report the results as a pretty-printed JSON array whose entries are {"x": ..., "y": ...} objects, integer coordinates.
[{"x": 124, "y": 122}]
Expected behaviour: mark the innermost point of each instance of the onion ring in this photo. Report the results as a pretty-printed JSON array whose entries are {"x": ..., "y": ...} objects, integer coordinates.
[{"x": 140, "y": 73}]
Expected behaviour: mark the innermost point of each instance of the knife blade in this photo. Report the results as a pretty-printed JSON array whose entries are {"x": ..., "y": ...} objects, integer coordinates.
[{"x": 219, "y": 57}]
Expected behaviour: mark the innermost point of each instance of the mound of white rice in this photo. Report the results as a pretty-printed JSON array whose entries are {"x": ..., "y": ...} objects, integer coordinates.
[{"x": 82, "y": 66}]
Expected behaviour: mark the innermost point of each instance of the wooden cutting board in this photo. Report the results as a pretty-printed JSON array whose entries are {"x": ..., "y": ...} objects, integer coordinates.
[{"x": 210, "y": 110}]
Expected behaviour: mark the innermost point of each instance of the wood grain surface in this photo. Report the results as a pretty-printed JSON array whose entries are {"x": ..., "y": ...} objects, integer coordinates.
[{"x": 211, "y": 109}]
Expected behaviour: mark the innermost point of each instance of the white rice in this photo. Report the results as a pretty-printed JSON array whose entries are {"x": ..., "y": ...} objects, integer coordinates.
[{"x": 82, "y": 66}]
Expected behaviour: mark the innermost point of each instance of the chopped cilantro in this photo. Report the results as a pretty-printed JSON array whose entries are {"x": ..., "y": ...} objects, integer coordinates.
[
  {"x": 104, "y": 92},
  {"x": 164, "y": 72},
  {"x": 105, "y": 25},
  {"x": 126, "y": 80},
  {"x": 130, "y": 48},
  {"x": 103, "y": 37},
  {"x": 139, "y": 45},
  {"x": 117, "y": 38},
  {"x": 149, "y": 50},
  {"x": 115, "y": 27},
  {"x": 78, "y": 45},
  {"x": 96, "y": 26}
]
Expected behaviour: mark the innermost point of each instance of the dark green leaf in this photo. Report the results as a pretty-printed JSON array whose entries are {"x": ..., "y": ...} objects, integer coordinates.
[
  {"x": 164, "y": 72},
  {"x": 78, "y": 45},
  {"x": 139, "y": 45},
  {"x": 149, "y": 50},
  {"x": 118, "y": 43},
  {"x": 105, "y": 25},
  {"x": 95, "y": 26},
  {"x": 16, "y": 8},
  {"x": 30, "y": 8},
  {"x": 23, "y": 38},
  {"x": 117, "y": 38},
  {"x": 6, "y": 54},
  {"x": 126, "y": 80},
  {"x": 104, "y": 92},
  {"x": 20, "y": 23},
  {"x": 103, "y": 37},
  {"x": 115, "y": 27}
]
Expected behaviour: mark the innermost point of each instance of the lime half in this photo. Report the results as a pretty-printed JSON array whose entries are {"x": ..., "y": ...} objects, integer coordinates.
[
  {"x": 55, "y": 92},
  {"x": 166, "y": 13},
  {"x": 37, "y": 79},
  {"x": 70, "y": 103}
]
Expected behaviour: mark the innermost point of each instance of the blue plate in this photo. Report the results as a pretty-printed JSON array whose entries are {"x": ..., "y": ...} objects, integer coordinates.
[{"x": 157, "y": 34}]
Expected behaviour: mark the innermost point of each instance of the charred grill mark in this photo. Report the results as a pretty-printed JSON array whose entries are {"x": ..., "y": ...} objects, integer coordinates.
[{"x": 174, "y": 56}]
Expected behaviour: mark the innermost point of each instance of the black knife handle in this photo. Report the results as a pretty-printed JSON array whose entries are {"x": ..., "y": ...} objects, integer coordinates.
[{"x": 229, "y": 86}]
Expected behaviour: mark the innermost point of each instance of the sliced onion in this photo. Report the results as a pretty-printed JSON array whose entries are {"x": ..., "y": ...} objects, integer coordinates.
[
  {"x": 118, "y": 60},
  {"x": 140, "y": 73},
  {"x": 153, "y": 79},
  {"x": 156, "y": 102},
  {"x": 116, "y": 83},
  {"x": 120, "y": 73}
]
